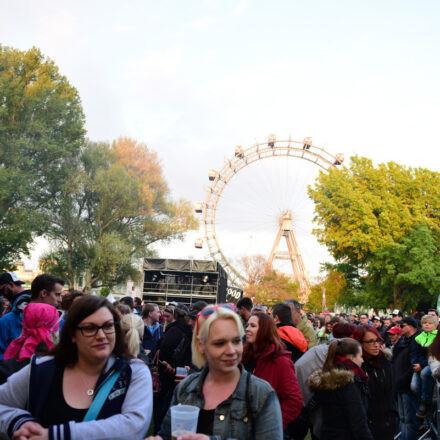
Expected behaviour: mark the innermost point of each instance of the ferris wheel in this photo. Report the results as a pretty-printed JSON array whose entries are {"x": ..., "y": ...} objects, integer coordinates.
[{"x": 258, "y": 199}]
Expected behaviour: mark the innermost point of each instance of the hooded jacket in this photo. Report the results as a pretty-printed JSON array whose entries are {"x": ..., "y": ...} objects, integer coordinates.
[
  {"x": 279, "y": 371},
  {"x": 10, "y": 323},
  {"x": 343, "y": 399},
  {"x": 126, "y": 412},
  {"x": 293, "y": 339}
]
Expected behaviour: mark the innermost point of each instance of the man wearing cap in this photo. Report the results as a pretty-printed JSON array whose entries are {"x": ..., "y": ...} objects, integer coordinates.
[
  {"x": 10, "y": 323},
  {"x": 394, "y": 334},
  {"x": 396, "y": 317},
  {"x": 302, "y": 323},
  {"x": 402, "y": 370}
]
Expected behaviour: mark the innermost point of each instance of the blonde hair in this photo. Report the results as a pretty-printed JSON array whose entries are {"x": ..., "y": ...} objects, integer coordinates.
[
  {"x": 431, "y": 319},
  {"x": 204, "y": 324},
  {"x": 134, "y": 327}
]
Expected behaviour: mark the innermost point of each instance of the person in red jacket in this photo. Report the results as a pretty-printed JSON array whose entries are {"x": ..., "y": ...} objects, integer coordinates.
[{"x": 265, "y": 356}]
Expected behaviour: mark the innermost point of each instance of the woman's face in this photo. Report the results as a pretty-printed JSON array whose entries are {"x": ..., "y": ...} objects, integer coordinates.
[
  {"x": 224, "y": 347},
  {"x": 358, "y": 359},
  {"x": 95, "y": 348},
  {"x": 252, "y": 329},
  {"x": 371, "y": 344}
]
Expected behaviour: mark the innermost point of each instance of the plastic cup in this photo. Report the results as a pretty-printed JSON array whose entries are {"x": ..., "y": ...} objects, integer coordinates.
[{"x": 184, "y": 420}]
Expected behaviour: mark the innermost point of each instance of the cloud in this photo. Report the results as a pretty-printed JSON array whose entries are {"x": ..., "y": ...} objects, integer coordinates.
[{"x": 240, "y": 8}]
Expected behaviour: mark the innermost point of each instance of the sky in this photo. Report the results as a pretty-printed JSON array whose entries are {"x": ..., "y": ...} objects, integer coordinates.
[{"x": 194, "y": 79}]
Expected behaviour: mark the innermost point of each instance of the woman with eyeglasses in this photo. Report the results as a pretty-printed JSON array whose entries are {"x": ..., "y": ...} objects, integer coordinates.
[
  {"x": 382, "y": 412},
  {"x": 233, "y": 403},
  {"x": 90, "y": 387},
  {"x": 266, "y": 357}
]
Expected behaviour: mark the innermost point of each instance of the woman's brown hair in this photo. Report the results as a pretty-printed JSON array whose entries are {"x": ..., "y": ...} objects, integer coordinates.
[
  {"x": 66, "y": 351},
  {"x": 340, "y": 347},
  {"x": 267, "y": 334}
]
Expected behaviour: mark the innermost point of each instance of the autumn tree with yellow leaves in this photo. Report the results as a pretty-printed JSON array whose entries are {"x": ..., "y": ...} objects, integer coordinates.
[
  {"x": 382, "y": 225},
  {"x": 115, "y": 204}
]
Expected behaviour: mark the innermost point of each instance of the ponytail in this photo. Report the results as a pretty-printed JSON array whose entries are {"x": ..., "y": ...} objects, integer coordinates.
[
  {"x": 340, "y": 347},
  {"x": 133, "y": 326}
]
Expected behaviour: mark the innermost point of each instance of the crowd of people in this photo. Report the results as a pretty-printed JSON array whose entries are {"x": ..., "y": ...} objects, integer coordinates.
[{"x": 76, "y": 366}]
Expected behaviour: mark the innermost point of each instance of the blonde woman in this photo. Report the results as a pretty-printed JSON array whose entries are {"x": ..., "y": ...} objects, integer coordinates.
[
  {"x": 134, "y": 327},
  {"x": 232, "y": 402}
]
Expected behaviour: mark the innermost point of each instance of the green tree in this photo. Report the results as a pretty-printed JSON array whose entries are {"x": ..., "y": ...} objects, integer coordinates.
[
  {"x": 402, "y": 274},
  {"x": 366, "y": 212},
  {"x": 333, "y": 284},
  {"x": 112, "y": 209},
  {"x": 41, "y": 131}
]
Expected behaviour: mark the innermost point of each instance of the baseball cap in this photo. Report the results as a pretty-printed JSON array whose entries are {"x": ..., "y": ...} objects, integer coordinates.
[
  {"x": 7, "y": 277},
  {"x": 397, "y": 312},
  {"x": 395, "y": 331},
  {"x": 409, "y": 320},
  {"x": 376, "y": 318}
]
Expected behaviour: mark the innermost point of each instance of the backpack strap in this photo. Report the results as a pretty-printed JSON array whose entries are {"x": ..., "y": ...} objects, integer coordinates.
[
  {"x": 101, "y": 397},
  {"x": 248, "y": 404}
]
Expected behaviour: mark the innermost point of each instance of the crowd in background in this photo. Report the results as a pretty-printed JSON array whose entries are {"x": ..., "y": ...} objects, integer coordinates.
[{"x": 75, "y": 366}]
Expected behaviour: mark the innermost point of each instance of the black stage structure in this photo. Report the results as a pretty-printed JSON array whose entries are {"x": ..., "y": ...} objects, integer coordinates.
[{"x": 186, "y": 281}]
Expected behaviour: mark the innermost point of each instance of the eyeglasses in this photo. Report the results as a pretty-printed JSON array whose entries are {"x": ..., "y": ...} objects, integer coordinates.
[
  {"x": 207, "y": 311},
  {"x": 372, "y": 341},
  {"x": 402, "y": 325},
  {"x": 89, "y": 331}
]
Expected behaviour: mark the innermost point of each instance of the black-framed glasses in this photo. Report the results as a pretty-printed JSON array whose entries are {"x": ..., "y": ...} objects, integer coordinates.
[
  {"x": 372, "y": 341},
  {"x": 92, "y": 330}
]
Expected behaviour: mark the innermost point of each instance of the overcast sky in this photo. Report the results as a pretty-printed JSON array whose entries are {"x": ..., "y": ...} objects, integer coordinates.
[{"x": 193, "y": 79}]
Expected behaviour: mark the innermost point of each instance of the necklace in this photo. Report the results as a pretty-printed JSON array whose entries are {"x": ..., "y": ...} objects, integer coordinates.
[{"x": 90, "y": 391}]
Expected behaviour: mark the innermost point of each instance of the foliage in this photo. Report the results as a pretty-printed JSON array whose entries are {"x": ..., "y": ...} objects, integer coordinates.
[
  {"x": 333, "y": 284},
  {"x": 402, "y": 274},
  {"x": 41, "y": 130},
  {"x": 104, "y": 291},
  {"x": 369, "y": 217},
  {"x": 113, "y": 207},
  {"x": 266, "y": 287}
]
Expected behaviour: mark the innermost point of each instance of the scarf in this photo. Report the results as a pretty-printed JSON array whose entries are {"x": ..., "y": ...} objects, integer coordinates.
[
  {"x": 350, "y": 365},
  {"x": 39, "y": 321}
]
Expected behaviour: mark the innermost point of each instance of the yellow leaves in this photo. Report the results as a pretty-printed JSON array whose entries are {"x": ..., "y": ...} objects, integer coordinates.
[{"x": 371, "y": 207}]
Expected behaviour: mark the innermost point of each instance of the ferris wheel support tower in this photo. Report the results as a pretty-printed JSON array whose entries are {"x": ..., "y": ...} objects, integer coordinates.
[{"x": 293, "y": 254}]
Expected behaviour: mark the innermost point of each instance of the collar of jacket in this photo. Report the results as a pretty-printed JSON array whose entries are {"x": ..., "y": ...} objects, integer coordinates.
[
  {"x": 330, "y": 380},
  {"x": 196, "y": 386}
]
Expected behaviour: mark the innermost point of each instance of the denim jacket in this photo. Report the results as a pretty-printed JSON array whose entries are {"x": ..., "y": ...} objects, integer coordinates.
[{"x": 231, "y": 420}]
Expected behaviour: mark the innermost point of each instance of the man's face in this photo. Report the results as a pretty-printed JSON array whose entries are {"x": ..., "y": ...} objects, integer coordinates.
[
  {"x": 432, "y": 313},
  {"x": 376, "y": 323},
  {"x": 364, "y": 319},
  {"x": 352, "y": 318},
  {"x": 395, "y": 319},
  {"x": 394, "y": 338},
  {"x": 244, "y": 312},
  {"x": 406, "y": 329},
  {"x": 387, "y": 322},
  {"x": 10, "y": 290},
  {"x": 53, "y": 297},
  {"x": 155, "y": 315}
]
